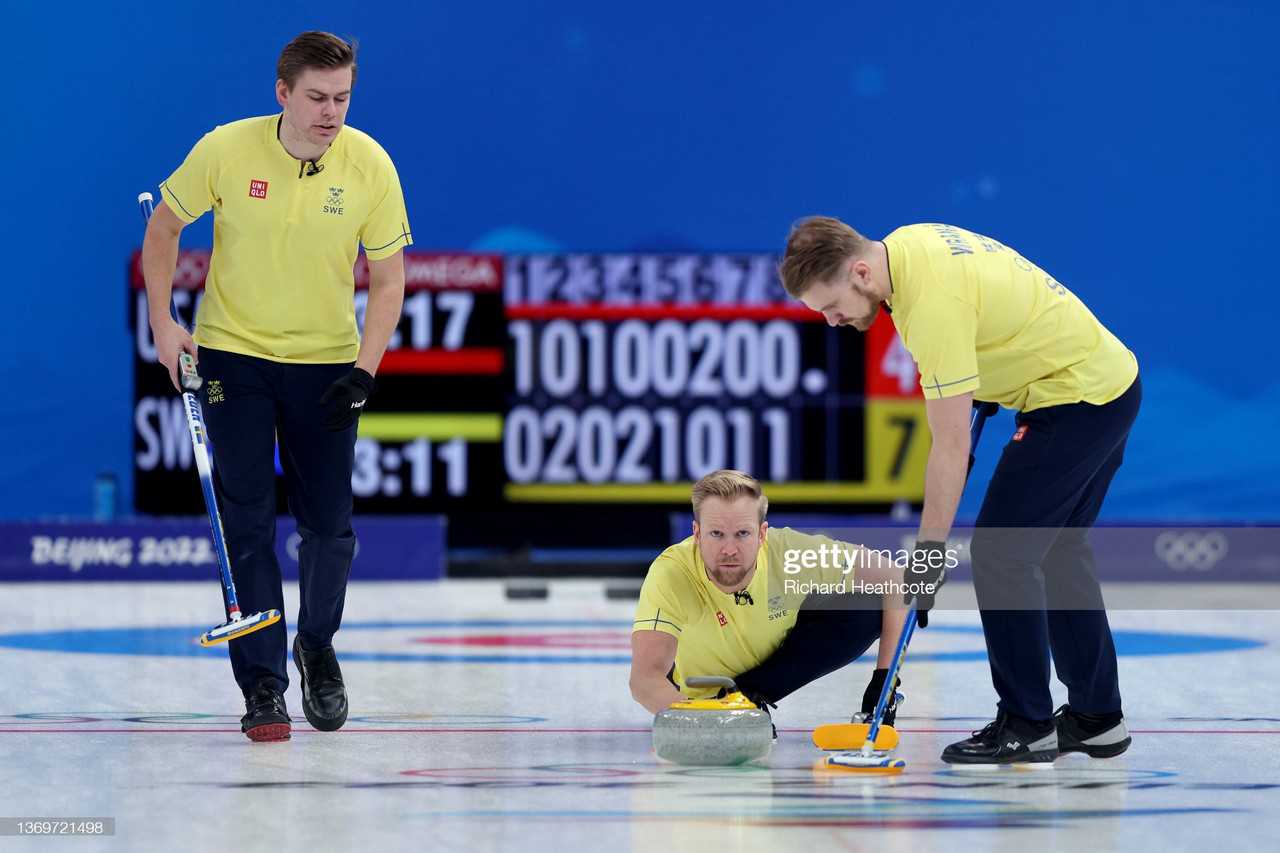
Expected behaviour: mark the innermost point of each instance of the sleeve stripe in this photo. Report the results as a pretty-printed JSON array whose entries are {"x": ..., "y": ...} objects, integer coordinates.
[
  {"x": 656, "y": 620},
  {"x": 165, "y": 186},
  {"x": 938, "y": 386},
  {"x": 404, "y": 235}
]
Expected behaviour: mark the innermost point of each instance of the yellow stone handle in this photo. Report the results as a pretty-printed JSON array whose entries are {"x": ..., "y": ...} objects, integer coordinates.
[{"x": 732, "y": 702}]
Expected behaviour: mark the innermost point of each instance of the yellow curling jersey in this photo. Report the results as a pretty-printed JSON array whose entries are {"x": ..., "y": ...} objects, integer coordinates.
[
  {"x": 976, "y": 316},
  {"x": 280, "y": 283},
  {"x": 717, "y": 635}
]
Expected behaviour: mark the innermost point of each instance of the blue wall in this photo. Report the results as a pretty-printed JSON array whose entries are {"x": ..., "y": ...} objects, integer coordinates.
[{"x": 1129, "y": 148}]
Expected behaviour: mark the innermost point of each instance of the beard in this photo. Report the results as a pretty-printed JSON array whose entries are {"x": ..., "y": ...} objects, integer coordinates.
[
  {"x": 863, "y": 321},
  {"x": 728, "y": 576}
]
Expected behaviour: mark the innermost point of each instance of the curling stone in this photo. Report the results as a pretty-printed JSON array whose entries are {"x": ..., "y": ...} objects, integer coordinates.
[{"x": 713, "y": 732}]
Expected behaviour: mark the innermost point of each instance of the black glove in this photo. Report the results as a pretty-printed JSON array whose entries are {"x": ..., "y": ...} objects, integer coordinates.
[
  {"x": 871, "y": 696},
  {"x": 925, "y": 576},
  {"x": 348, "y": 396}
]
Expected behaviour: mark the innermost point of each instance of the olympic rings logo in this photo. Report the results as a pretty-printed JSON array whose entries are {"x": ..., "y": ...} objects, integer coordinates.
[{"x": 1191, "y": 550}]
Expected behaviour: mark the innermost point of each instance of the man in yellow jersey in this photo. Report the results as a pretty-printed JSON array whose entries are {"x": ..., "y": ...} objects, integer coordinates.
[
  {"x": 985, "y": 324},
  {"x": 772, "y": 608},
  {"x": 294, "y": 195}
]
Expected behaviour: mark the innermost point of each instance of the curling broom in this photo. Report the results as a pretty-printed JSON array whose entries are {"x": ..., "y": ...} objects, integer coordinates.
[
  {"x": 238, "y": 624},
  {"x": 873, "y": 757}
]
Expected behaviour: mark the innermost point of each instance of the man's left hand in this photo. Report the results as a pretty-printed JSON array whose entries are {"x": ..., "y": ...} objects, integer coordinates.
[{"x": 346, "y": 398}]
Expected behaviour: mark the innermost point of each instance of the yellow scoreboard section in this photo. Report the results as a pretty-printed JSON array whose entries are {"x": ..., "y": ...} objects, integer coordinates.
[{"x": 896, "y": 430}]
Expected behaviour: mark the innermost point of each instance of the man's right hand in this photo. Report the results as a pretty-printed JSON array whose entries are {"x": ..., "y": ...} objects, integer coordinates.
[
  {"x": 171, "y": 340},
  {"x": 926, "y": 574}
]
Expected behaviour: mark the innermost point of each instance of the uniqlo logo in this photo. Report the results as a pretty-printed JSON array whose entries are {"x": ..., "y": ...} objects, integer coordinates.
[
  {"x": 720, "y": 616},
  {"x": 1022, "y": 430},
  {"x": 258, "y": 189}
]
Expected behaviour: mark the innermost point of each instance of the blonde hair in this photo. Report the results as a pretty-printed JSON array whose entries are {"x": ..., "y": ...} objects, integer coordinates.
[
  {"x": 729, "y": 485},
  {"x": 816, "y": 249}
]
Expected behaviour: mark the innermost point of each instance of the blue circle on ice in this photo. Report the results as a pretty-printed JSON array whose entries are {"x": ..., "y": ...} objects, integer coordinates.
[{"x": 180, "y": 641}]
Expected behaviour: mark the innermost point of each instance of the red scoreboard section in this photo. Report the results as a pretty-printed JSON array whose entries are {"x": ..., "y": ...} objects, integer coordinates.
[{"x": 590, "y": 379}]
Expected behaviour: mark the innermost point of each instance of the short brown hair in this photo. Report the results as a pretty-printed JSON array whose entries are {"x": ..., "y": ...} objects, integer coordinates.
[
  {"x": 816, "y": 249},
  {"x": 729, "y": 485},
  {"x": 315, "y": 49}
]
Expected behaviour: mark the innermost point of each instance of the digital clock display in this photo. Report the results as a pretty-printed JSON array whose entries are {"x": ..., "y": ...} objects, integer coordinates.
[{"x": 431, "y": 438}]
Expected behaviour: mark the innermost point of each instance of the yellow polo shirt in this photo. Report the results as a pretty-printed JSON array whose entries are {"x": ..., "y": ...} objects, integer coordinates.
[
  {"x": 977, "y": 316},
  {"x": 717, "y": 635},
  {"x": 280, "y": 282}
]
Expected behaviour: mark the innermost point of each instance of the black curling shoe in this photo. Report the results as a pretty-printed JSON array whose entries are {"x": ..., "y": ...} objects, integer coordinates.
[
  {"x": 1106, "y": 738},
  {"x": 266, "y": 718},
  {"x": 1007, "y": 740},
  {"x": 324, "y": 696}
]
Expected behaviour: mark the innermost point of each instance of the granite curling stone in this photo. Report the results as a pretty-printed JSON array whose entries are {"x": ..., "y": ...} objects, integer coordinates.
[{"x": 724, "y": 731}]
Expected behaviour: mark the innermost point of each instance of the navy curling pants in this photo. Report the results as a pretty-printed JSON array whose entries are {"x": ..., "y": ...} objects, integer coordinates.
[
  {"x": 249, "y": 403},
  {"x": 1034, "y": 572},
  {"x": 830, "y": 632}
]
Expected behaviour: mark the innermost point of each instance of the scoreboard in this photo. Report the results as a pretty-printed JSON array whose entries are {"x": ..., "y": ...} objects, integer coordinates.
[{"x": 591, "y": 379}]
